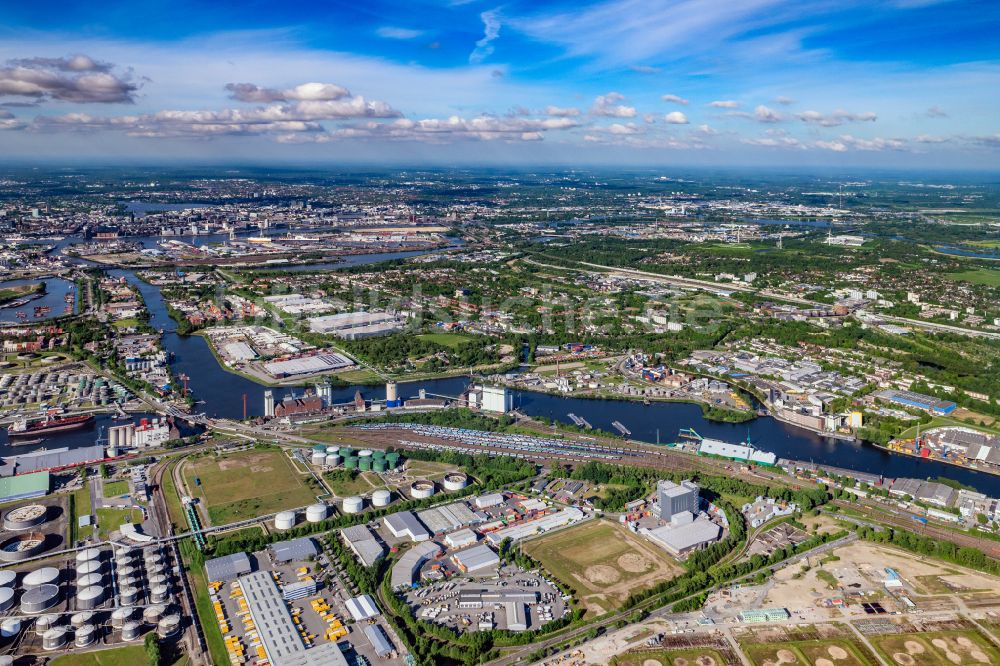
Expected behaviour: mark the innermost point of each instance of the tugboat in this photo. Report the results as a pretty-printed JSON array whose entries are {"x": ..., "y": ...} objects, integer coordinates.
[{"x": 21, "y": 428}]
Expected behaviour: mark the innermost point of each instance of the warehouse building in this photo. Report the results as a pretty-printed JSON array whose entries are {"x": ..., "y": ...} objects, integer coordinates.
[
  {"x": 405, "y": 524},
  {"x": 356, "y": 325},
  {"x": 307, "y": 365},
  {"x": 380, "y": 642},
  {"x": 296, "y": 550},
  {"x": 548, "y": 522},
  {"x": 715, "y": 447},
  {"x": 26, "y": 486},
  {"x": 362, "y": 608},
  {"x": 461, "y": 538},
  {"x": 925, "y": 402},
  {"x": 447, "y": 518},
  {"x": 679, "y": 540},
  {"x": 765, "y": 615},
  {"x": 228, "y": 567},
  {"x": 363, "y": 544},
  {"x": 407, "y": 569},
  {"x": 478, "y": 559}
]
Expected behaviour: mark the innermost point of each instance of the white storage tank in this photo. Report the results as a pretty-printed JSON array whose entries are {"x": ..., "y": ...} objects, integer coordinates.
[
  {"x": 45, "y": 622},
  {"x": 89, "y": 580},
  {"x": 89, "y": 567},
  {"x": 10, "y": 627},
  {"x": 332, "y": 449},
  {"x": 81, "y": 618},
  {"x": 7, "y": 578},
  {"x": 316, "y": 513},
  {"x": 381, "y": 498},
  {"x": 365, "y": 453},
  {"x": 86, "y": 635},
  {"x": 130, "y": 596},
  {"x": 422, "y": 489},
  {"x": 121, "y": 615},
  {"x": 284, "y": 520},
  {"x": 354, "y": 504},
  {"x": 319, "y": 458},
  {"x": 39, "y": 577},
  {"x": 90, "y": 598},
  {"x": 333, "y": 460},
  {"x": 6, "y": 599},
  {"x": 159, "y": 594},
  {"x": 87, "y": 555},
  {"x": 168, "y": 626},
  {"x": 455, "y": 481},
  {"x": 131, "y": 631},
  {"x": 153, "y": 614},
  {"x": 39, "y": 599},
  {"x": 54, "y": 639}
]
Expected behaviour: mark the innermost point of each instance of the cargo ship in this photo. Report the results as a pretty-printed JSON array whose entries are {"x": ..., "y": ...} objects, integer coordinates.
[{"x": 21, "y": 427}]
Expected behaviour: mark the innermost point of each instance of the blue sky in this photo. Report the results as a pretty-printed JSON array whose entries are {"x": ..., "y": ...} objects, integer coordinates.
[{"x": 701, "y": 82}]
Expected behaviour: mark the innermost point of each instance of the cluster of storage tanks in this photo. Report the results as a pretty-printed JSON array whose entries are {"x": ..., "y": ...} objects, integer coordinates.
[
  {"x": 315, "y": 513},
  {"x": 93, "y": 588},
  {"x": 365, "y": 460}
]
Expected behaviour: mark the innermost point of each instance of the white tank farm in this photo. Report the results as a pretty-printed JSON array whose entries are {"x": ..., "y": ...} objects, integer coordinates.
[
  {"x": 354, "y": 504},
  {"x": 159, "y": 594},
  {"x": 121, "y": 615},
  {"x": 89, "y": 567},
  {"x": 25, "y": 517},
  {"x": 6, "y": 599},
  {"x": 319, "y": 458},
  {"x": 365, "y": 453},
  {"x": 154, "y": 557},
  {"x": 131, "y": 631},
  {"x": 81, "y": 618},
  {"x": 130, "y": 596},
  {"x": 39, "y": 599},
  {"x": 284, "y": 520},
  {"x": 39, "y": 577},
  {"x": 10, "y": 627},
  {"x": 153, "y": 614},
  {"x": 381, "y": 498},
  {"x": 7, "y": 578},
  {"x": 90, "y": 598},
  {"x": 86, "y": 635},
  {"x": 54, "y": 639},
  {"x": 45, "y": 622},
  {"x": 316, "y": 513},
  {"x": 333, "y": 460},
  {"x": 88, "y": 555},
  {"x": 168, "y": 626},
  {"x": 455, "y": 481},
  {"x": 422, "y": 489},
  {"x": 89, "y": 580}
]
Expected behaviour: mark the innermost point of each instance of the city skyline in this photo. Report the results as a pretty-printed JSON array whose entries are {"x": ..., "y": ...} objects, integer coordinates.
[{"x": 910, "y": 83}]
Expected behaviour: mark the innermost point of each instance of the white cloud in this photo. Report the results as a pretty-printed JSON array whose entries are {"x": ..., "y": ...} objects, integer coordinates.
[
  {"x": 936, "y": 112},
  {"x": 675, "y": 99},
  {"x": 838, "y": 117},
  {"x": 394, "y": 32},
  {"x": 562, "y": 112},
  {"x": 835, "y": 146},
  {"x": 707, "y": 130},
  {"x": 608, "y": 106},
  {"x": 491, "y": 31},
  {"x": 676, "y": 118},
  {"x": 784, "y": 101},
  {"x": 621, "y": 130},
  {"x": 249, "y": 92},
  {"x": 78, "y": 78},
  {"x": 847, "y": 141},
  {"x": 766, "y": 114},
  {"x": 725, "y": 104}
]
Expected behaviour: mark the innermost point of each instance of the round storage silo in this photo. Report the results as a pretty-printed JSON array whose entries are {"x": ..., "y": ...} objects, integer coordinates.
[
  {"x": 378, "y": 465},
  {"x": 350, "y": 463},
  {"x": 7, "y": 578},
  {"x": 333, "y": 459},
  {"x": 346, "y": 452},
  {"x": 87, "y": 555},
  {"x": 153, "y": 614},
  {"x": 381, "y": 498},
  {"x": 316, "y": 513},
  {"x": 365, "y": 453},
  {"x": 46, "y": 622},
  {"x": 131, "y": 631},
  {"x": 39, "y": 599},
  {"x": 90, "y": 598},
  {"x": 124, "y": 552},
  {"x": 159, "y": 594},
  {"x": 81, "y": 618},
  {"x": 365, "y": 464},
  {"x": 129, "y": 572},
  {"x": 392, "y": 460},
  {"x": 320, "y": 448},
  {"x": 168, "y": 626},
  {"x": 39, "y": 577},
  {"x": 129, "y": 582},
  {"x": 25, "y": 517},
  {"x": 331, "y": 449},
  {"x": 86, "y": 635},
  {"x": 354, "y": 504},
  {"x": 131, "y": 596},
  {"x": 55, "y": 639},
  {"x": 89, "y": 580},
  {"x": 121, "y": 615},
  {"x": 455, "y": 481},
  {"x": 422, "y": 489},
  {"x": 6, "y": 599},
  {"x": 284, "y": 520},
  {"x": 319, "y": 458},
  {"x": 10, "y": 627},
  {"x": 89, "y": 567}
]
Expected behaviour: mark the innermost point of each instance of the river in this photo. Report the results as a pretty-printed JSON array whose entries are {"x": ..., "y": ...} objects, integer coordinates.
[{"x": 53, "y": 298}]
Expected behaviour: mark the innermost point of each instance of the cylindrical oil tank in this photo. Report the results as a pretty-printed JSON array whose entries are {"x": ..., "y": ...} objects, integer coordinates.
[
  {"x": 87, "y": 555},
  {"x": 90, "y": 598},
  {"x": 39, "y": 577},
  {"x": 152, "y": 557},
  {"x": 284, "y": 520},
  {"x": 6, "y": 599},
  {"x": 365, "y": 464},
  {"x": 92, "y": 566},
  {"x": 39, "y": 599},
  {"x": 54, "y": 639},
  {"x": 321, "y": 448},
  {"x": 319, "y": 458},
  {"x": 346, "y": 452},
  {"x": 131, "y": 631},
  {"x": 354, "y": 504},
  {"x": 455, "y": 481},
  {"x": 392, "y": 460},
  {"x": 89, "y": 580},
  {"x": 378, "y": 454},
  {"x": 45, "y": 622},
  {"x": 129, "y": 582},
  {"x": 391, "y": 394},
  {"x": 159, "y": 594},
  {"x": 81, "y": 618},
  {"x": 25, "y": 517},
  {"x": 158, "y": 581},
  {"x": 316, "y": 513},
  {"x": 350, "y": 463},
  {"x": 422, "y": 489},
  {"x": 168, "y": 626},
  {"x": 365, "y": 453},
  {"x": 156, "y": 570},
  {"x": 153, "y": 614},
  {"x": 10, "y": 627},
  {"x": 86, "y": 635},
  {"x": 131, "y": 595},
  {"x": 378, "y": 465},
  {"x": 381, "y": 498},
  {"x": 330, "y": 449},
  {"x": 121, "y": 615},
  {"x": 129, "y": 572},
  {"x": 124, "y": 551},
  {"x": 7, "y": 578},
  {"x": 333, "y": 460}
]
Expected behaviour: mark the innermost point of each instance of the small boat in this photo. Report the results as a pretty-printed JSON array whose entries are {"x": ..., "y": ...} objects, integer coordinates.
[{"x": 25, "y": 442}]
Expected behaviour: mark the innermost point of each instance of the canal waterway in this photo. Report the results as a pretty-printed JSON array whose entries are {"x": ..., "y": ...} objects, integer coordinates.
[{"x": 54, "y": 298}]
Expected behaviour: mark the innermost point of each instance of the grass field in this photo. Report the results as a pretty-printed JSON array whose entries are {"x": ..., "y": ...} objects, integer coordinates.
[
  {"x": 821, "y": 652},
  {"x": 363, "y": 482},
  {"x": 115, "y": 488},
  {"x": 133, "y": 655},
  {"x": 446, "y": 339},
  {"x": 940, "y": 421},
  {"x": 109, "y": 520},
  {"x": 246, "y": 484},
  {"x": 941, "y": 648},
  {"x": 131, "y": 322},
  {"x": 603, "y": 562},
  {"x": 690, "y": 657},
  {"x": 81, "y": 507},
  {"x": 360, "y": 376},
  {"x": 984, "y": 276}
]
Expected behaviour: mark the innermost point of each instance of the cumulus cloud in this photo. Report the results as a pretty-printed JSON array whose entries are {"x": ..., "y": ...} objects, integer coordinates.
[
  {"x": 766, "y": 114},
  {"x": 608, "y": 106},
  {"x": 8, "y": 121},
  {"x": 443, "y": 130},
  {"x": 927, "y": 138},
  {"x": 491, "y": 31},
  {"x": 936, "y": 112},
  {"x": 784, "y": 101},
  {"x": 394, "y": 32},
  {"x": 707, "y": 130},
  {"x": 838, "y": 117},
  {"x": 675, "y": 99},
  {"x": 562, "y": 112},
  {"x": 676, "y": 118},
  {"x": 621, "y": 130},
  {"x": 249, "y": 92},
  {"x": 847, "y": 141},
  {"x": 725, "y": 104},
  {"x": 75, "y": 78}
]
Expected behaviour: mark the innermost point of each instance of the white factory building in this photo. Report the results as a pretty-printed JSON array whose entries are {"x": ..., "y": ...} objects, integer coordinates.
[
  {"x": 679, "y": 540},
  {"x": 478, "y": 559},
  {"x": 357, "y": 325},
  {"x": 405, "y": 524},
  {"x": 716, "y": 447}
]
